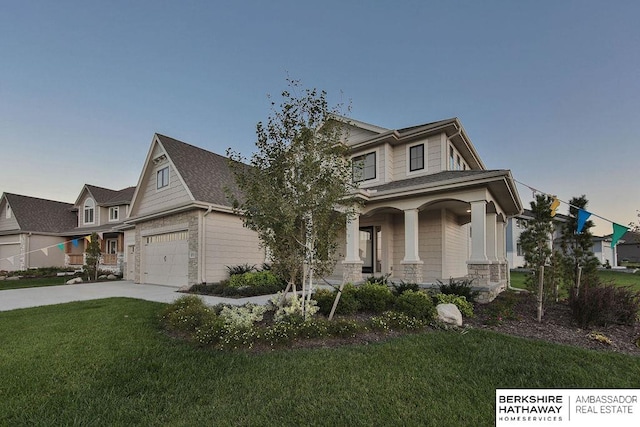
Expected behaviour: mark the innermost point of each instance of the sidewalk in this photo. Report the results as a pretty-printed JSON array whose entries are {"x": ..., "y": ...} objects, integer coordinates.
[{"x": 34, "y": 297}]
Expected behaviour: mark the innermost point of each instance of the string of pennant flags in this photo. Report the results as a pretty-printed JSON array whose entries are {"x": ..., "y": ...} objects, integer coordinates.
[
  {"x": 75, "y": 242},
  {"x": 583, "y": 215}
]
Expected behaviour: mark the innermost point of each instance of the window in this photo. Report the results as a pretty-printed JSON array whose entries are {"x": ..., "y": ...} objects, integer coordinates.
[
  {"x": 112, "y": 246},
  {"x": 114, "y": 213},
  {"x": 163, "y": 177},
  {"x": 451, "y": 159},
  {"x": 364, "y": 167},
  {"x": 8, "y": 212},
  {"x": 519, "y": 250},
  {"x": 89, "y": 209},
  {"x": 458, "y": 164},
  {"x": 416, "y": 157}
]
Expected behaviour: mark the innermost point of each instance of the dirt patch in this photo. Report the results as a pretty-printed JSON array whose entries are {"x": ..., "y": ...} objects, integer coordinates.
[{"x": 556, "y": 326}]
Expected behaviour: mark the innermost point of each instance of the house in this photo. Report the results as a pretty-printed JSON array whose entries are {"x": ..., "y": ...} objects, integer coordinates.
[
  {"x": 181, "y": 228},
  {"x": 46, "y": 233},
  {"x": 430, "y": 209},
  {"x": 102, "y": 211},
  {"x": 30, "y": 231},
  {"x": 628, "y": 248}
]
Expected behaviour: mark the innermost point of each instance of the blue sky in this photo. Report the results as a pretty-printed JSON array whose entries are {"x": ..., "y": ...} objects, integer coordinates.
[{"x": 548, "y": 89}]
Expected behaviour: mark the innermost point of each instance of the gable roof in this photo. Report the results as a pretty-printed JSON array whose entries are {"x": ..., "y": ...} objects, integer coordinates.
[
  {"x": 205, "y": 174},
  {"x": 107, "y": 197},
  {"x": 41, "y": 215}
]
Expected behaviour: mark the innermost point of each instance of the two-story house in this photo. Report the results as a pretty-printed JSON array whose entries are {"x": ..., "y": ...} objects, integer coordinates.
[{"x": 430, "y": 209}]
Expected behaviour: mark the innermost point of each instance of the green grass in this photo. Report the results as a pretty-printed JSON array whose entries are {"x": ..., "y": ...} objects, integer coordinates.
[
  {"x": 33, "y": 283},
  {"x": 106, "y": 363},
  {"x": 608, "y": 276}
]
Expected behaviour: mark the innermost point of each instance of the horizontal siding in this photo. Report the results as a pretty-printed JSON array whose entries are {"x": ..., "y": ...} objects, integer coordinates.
[
  {"x": 154, "y": 200},
  {"x": 229, "y": 243},
  {"x": 54, "y": 256},
  {"x": 356, "y": 135},
  {"x": 430, "y": 244},
  {"x": 7, "y": 223},
  {"x": 434, "y": 155}
]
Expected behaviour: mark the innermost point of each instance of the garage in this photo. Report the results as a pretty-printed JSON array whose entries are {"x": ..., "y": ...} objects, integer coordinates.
[
  {"x": 165, "y": 259},
  {"x": 6, "y": 252}
]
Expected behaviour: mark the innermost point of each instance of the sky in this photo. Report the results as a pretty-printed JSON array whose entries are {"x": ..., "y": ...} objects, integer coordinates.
[{"x": 547, "y": 89}]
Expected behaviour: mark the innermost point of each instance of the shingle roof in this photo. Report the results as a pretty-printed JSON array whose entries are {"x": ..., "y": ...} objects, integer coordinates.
[
  {"x": 105, "y": 196},
  {"x": 426, "y": 126},
  {"x": 206, "y": 174},
  {"x": 432, "y": 179},
  {"x": 41, "y": 215}
]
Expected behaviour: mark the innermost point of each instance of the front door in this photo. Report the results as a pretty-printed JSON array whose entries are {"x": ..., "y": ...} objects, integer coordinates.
[{"x": 367, "y": 252}]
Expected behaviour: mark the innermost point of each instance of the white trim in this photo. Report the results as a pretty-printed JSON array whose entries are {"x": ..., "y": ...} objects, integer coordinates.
[
  {"x": 93, "y": 211},
  {"x": 158, "y": 171},
  {"x": 113, "y": 209},
  {"x": 425, "y": 148}
]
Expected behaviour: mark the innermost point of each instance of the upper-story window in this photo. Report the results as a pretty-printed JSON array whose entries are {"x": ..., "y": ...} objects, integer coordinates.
[
  {"x": 89, "y": 211},
  {"x": 114, "y": 213},
  {"x": 452, "y": 156},
  {"x": 364, "y": 167},
  {"x": 416, "y": 158},
  {"x": 8, "y": 212},
  {"x": 162, "y": 178}
]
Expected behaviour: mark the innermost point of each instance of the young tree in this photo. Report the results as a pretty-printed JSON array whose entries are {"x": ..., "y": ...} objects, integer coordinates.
[
  {"x": 537, "y": 245},
  {"x": 576, "y": 247},
  {"x": 93, "y": 253},
  {"x": 297, "y": 191}
]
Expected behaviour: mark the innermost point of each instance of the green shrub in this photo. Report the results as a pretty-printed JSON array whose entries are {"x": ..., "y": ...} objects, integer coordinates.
[
  {"x": 187, "y": 313},
  {"x": 211, "y": 331},
  {"x": 459, "y": 287},
  {"x": 253, "y": 283},
  {"x": 242, "y": 317},
  {"x": 379, "y": 280},
  {"x": 348, "y": 303},
  {"x": 374, "y": 297},
  {"x": 393, "y": 320},
  {"x": 241, "y": 269},
  {"x": 602, "y": 305},
  {"x": 324, "y": 298},
  {"x": 416, "y": 304},
  {"x": 399, "y": 288},
  {"x": 465, "y": 307},
  {"x": 503, "y": 308}
]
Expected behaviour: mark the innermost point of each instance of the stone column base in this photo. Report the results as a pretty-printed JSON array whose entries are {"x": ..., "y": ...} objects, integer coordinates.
[
  {"x": 480, "y": 272},
  {"x": 412, "y": 271},
  {"x": 352, "y": 271}
]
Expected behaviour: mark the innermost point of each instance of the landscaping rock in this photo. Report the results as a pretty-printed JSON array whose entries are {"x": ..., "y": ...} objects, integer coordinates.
[
  {"x": 112, "y": 277},
  {"x": 102, "y": 276},
  {"x": 74, "y": 281},
  {"x": 13, "y": 278},
  {"x": 3, "y": 277},
  {"x": 449, "y": 313}
]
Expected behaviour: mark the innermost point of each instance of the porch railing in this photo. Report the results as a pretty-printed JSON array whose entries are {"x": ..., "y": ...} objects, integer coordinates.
[
  {"x": 76, "y": 259},
  {"x": 109, "y": 259}
]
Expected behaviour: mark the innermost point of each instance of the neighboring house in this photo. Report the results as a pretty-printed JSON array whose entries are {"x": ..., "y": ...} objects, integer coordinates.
[
  {"x": 628, "y": 248},
  {"x": 181, "y": 229},
  {"x": 430, "y": 209},
  {"x": 102, "y": 211},
  {"x": 603, "y": 252},
  {"x": 30, "y": 231}
]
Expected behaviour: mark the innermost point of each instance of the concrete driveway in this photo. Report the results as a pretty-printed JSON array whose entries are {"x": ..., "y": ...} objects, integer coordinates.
[{"x": 34, "y": 297}]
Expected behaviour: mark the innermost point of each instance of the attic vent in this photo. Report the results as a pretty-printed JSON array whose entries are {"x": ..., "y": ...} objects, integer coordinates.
[{"x": 161, "y": 158}]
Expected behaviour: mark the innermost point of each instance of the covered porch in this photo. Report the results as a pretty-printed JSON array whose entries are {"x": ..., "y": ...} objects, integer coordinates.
[
  {"x": 428, "y": 238},
  {"x": 111, "y": 245}
]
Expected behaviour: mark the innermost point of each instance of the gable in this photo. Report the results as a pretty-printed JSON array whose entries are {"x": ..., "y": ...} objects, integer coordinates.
[
  {"x": 7, "y": 223},
  {"x": 160, "y": 186}
]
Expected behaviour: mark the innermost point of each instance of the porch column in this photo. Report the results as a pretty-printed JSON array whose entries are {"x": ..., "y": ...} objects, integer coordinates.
[
  {"x": 411, "y": 262},
  {"x": 502, "y": 250},
  {"x": 478, "y": 267},
  {"x": 492, "y": 247},
  {"x": 478, "y": 231},
  {"x": 352, "y": 264}
]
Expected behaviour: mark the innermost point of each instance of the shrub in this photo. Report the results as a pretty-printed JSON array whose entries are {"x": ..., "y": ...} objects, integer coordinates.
[
  {"x": 601, "y": 305},
  {"x": 253, "y": 283},
  {"x": 374, "y": 297},
  {"x": 242, "y": 317},
  {"x": 379, "y": 280},
  {"x": 241, "y": 269},
  {"x": 502, "y": 308},
  {"x": 459, "y": 287},
  {"x": 393, "y": 320},
  {"x": 465, "y": 307},
  {"x": 416, "y": 304},
  {"x": 348, "y": 303},
  {"x": 187, "y": 313},
  {"x": 211, "y": 331},
  {"x": 399, "y": 288},
  {"x": 291, "y": 310}
]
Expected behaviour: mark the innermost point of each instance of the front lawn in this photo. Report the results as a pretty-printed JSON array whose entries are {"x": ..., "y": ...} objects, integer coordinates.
[
  {"x": 620, "y": 278},
  {"x": 33, "y": 283},
  {"x": 107, "y": 362}
]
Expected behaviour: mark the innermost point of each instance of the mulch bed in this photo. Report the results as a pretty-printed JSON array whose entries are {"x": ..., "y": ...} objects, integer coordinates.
[{"x": 557, "y": 326}]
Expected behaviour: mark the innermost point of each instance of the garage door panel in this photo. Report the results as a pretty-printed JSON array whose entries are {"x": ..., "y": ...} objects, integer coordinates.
[
  {"x": 166, "y": 263},
  {"x": 7, "y": 251}
]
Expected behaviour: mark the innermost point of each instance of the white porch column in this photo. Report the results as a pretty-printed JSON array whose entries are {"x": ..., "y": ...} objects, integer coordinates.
[
  {"x": 411, "y": 236},
  {"x": 411, "y": 262},
  {"x": 353, "y": 241},
  {"x": 352, "y": 264},
  {"x": 478, "y": 231},
  {"x": 502, "y": 241},
  {"x": 492, "y": 235}
]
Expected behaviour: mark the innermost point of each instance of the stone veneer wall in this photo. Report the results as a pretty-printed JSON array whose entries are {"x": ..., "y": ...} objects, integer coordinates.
[
  {"x": 490, "y": 278},
  {"x": 352, "y": 272},
  {"x": 191, "y": 219}
]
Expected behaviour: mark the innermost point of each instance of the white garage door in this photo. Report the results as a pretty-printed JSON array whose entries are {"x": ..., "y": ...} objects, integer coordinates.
[
  {"x": 166, "y": 259},
  {"x": 8, "y": 251}
]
